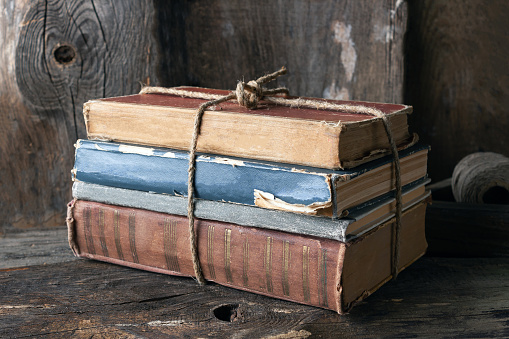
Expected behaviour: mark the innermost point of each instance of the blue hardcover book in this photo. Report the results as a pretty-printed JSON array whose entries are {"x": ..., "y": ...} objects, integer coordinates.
[{"x": 307, "y": 190}]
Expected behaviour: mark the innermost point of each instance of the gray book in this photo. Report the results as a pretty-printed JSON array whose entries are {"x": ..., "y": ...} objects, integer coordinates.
[{"x": 360, "y": 220}]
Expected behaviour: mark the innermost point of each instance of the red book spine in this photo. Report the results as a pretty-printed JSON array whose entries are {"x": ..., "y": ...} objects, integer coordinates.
[{"x": 298, "y": 268}]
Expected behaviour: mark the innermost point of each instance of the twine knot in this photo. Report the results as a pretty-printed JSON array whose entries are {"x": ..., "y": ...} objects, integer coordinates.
[{"x": 248, "y": 95}]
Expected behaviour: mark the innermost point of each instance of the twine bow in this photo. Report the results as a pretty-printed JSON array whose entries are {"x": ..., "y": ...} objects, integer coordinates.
[{"x": 249, "y": 95}]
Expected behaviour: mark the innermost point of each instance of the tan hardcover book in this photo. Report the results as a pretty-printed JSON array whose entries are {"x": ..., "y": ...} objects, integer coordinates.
[
  {"x": 309, "y": 270},
  {"x": 304, "y": 136}
]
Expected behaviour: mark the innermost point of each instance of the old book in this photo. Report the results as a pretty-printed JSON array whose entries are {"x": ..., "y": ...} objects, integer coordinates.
[
  {"x": 304, "y": 269},
  {"x": 359, "y": 219},
  {"x": 310, "y": 137},
  {"x": 285, "y": 187}
]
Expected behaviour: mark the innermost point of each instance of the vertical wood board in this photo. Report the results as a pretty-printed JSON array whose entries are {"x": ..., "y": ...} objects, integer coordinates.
[
  {"x": 56, "y": 55},
  {"x": 333, "y": 49},
  {"x": 457, "y": 78}
]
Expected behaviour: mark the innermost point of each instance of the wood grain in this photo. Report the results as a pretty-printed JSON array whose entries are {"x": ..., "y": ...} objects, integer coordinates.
[
  {"x": 435, "y": 297},
  {"x": 457, "y": 78},
  {"x": 56, "y": 55},
  {"x": 333, "y": 49},
  {"x": 34, "y": 246}
]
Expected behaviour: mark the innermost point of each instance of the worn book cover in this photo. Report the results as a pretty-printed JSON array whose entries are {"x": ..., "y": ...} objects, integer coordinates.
[
  {"x": 296, "y": 135},
  {"x": 310, "y": 270},
  {"x": 292, "y": 188}
]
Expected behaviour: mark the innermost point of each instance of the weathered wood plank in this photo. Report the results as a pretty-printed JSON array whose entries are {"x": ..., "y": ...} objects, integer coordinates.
[
  {"x": 457, "y": 78},
  {"x": 85, "y": 298},
  {"x": 19, "y": 248},
  {"x": 334, "y": 49},
  {"x": 435, "y": 297},
  {"x": 56, "y": 55}
]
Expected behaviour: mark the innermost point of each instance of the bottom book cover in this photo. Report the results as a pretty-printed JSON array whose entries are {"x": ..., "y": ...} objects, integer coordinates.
[{"x": 305, "y": 269}]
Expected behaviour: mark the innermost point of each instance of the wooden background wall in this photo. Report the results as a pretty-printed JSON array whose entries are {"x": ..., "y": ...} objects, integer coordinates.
[
  {"x": 58, "y": 54},
  {"x": 457, "y": 78}
]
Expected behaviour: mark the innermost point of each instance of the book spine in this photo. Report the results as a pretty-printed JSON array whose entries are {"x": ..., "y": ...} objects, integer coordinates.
[
  {"x": 292, "y": 267},
  {"x": 220, "y": 179}
]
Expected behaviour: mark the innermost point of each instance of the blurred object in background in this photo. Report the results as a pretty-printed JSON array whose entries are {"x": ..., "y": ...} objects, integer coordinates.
[{"x": 482, "y": 178}]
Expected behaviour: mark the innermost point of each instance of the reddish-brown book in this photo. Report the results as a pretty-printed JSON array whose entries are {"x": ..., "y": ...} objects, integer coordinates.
[
  {"x": 310, "y": 270},
  {"x": 304, "y": 136}
]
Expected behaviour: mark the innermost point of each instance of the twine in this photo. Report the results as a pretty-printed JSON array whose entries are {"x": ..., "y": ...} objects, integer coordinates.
[
  {"x": 249, "y": 95},
  {"x": 71, "y": 232}
]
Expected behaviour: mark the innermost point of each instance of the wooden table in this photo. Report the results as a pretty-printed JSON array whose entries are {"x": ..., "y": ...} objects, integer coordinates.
[{"x": 46, "y": 292}]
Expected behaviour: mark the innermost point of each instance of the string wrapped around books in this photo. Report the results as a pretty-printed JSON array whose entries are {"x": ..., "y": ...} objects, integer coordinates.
[{"x": 249, "y": 95}]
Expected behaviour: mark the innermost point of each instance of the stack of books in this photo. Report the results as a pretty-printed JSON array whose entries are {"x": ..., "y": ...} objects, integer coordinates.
[{"x": 292, "y": 203}]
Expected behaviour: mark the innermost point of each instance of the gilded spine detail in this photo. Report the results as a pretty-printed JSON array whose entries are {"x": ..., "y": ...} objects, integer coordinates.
[
  {"x": 227, "y": 255},
  {"x": 210, "y": 252},
  {"x": 170, "y": 244},
  {"x": 305, "y": 273},
  {"x": 245, "y": 262},
  {"x": 132, "y": 236},
  {"x": 102, "y": 236},
  {"x": 322, "y": 278},
  {"x": 268, "y": 263},
  {"x": 286, "y": 266},
  {"x": 116, "y": 231}
]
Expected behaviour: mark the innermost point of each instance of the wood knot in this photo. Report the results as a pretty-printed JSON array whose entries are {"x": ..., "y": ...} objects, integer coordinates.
[
  {"x": 229, "y": 313},
  {"x": 64, "y": 54}
]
